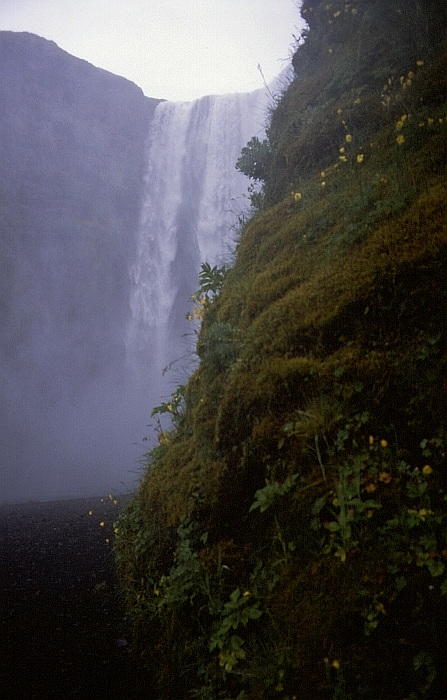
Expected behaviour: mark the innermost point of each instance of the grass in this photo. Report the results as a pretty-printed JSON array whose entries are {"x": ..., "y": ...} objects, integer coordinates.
[{"x": 323, "y": 374}]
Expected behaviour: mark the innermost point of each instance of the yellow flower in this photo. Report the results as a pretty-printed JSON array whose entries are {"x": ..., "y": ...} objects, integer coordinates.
[
  {"x": 102, "y": 523},
  {"x": 342, "y": 158},
  {"x": 330, "y": 50},
  {"x": 384, "y": 443},
  {"x": 360, "y": 157},
  {"x": 297, "y": 196},
  {"x": 335, "y": 664},
  {"x": 323, "y": 174},
  {"x": 339, "y": 111},
  {"x": 430, "y": 121},
  {"x": 348, "y": 138},
  {"x": 385, "y": 477},
  {"x": 399, "y": 125},
  {"x": 371, "y": 440},
  {"x": 323, "y": 184},
  {"x": 90, "y": 512},
  {"x": 400, "y": 139},
  {"x": 342, "y": 149},
  {"x": 420, "y": 62},
  {"x": 337, "y": 14},
  {"x": 427, "y": 470}
]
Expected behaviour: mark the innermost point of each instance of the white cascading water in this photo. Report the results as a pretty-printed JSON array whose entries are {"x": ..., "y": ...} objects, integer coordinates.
[{"x": 193, "y": 196}]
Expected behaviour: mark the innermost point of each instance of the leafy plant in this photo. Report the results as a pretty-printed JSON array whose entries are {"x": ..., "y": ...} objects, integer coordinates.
[{"x": 238, "y": 611}]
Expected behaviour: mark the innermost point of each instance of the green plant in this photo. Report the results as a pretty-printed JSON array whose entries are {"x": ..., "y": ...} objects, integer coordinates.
[
  {"x": 254, "y": 159},
  {"x": 238, "y": 611},
  {"x": 266, "y": 496},
  {"x": 211, "y": 280}
]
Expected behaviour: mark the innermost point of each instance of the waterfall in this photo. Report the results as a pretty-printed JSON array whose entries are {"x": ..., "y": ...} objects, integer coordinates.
[{"x": 193, "y": 196}]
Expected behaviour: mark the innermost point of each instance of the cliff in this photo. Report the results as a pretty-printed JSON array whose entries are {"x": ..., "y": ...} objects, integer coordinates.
[
  {"x": 288, "y": 539},
  {"x": 72, "y": 149}
]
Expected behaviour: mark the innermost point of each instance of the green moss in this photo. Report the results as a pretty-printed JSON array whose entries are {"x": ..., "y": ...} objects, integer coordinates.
[{"x": 322, "y": 384}]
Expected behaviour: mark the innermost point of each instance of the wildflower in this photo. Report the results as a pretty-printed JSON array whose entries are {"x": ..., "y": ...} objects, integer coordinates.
[
  {"x": 420, "y": 62},
  {"x": 90, "y": 512},
  {"x": 370, "y": 488},
  {"x": 423, "y": 512},
  {"x": 336, "y": 664},
  {"x": 337, "y": 14},
  {"x": 360, "y": 158},
  {"x": 371, "y": 440},
  {"x": 385, "y": 477},
  {"x": 384, "y": 443},
  {"x": 343, "y": 158},
  {"x": 411, "y": 74},
  {"x": 323, "y": 174},
  {"x": 430, "y": 121},
  {"x": 330, "y": 50},
  {"x": 354, "y": 10},
  {"x": 102, "y": 523},
  {"x": 426, "y": 470},
  {"x": 400, "y": 139},
  {"x": 297, "y": 196},
  {"x": 323, "y": 184},
  {"x": 342, "y": 149},
  {"x": 399, "y": 125},
  {"x": 339, "y": 111},
  {"x": 357, "y": 101},
  {"x": 348, "y": 138},
  {"x": 246, "y": 594}
]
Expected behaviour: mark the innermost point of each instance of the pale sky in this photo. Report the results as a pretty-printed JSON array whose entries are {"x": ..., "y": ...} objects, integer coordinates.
[{"x": 173, "y": 49}]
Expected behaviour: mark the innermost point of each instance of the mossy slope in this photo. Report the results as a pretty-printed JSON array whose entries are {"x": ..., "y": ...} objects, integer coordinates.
[{"x": 289, "y": 537}]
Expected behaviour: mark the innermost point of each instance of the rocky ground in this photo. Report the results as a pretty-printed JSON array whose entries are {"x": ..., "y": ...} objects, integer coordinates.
[{"x": 63, "y": 631}]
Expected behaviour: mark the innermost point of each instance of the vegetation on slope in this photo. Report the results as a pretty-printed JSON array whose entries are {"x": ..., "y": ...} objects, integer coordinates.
[{"x": 289, "y": 536}]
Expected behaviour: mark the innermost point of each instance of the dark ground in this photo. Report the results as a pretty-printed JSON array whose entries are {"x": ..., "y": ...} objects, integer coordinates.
[{"x": 63, "y": 631}]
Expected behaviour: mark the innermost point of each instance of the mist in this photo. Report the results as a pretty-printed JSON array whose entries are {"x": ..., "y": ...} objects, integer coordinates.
[{"x": 109, "y": 202}]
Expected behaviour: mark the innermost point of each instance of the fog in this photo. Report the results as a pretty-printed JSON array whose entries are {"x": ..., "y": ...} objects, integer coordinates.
[{"x": 109, "y": 203}]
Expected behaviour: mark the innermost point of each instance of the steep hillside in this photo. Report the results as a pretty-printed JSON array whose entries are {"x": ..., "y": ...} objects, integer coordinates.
[{"x": 289, "y": 536}]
